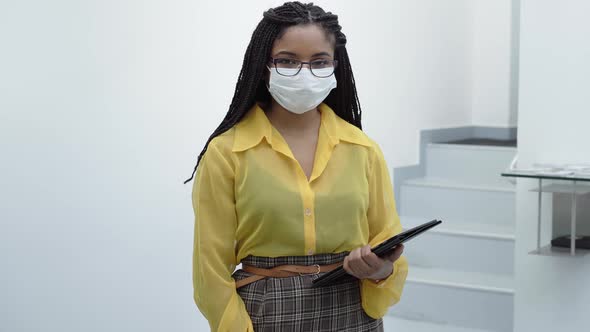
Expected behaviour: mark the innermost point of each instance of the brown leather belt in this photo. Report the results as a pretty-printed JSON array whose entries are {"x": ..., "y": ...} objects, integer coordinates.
[{"x": 283, "y": 271}]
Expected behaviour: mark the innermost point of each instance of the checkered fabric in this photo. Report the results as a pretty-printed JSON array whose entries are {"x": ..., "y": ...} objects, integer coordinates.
[{"x": 291, "y": 304}]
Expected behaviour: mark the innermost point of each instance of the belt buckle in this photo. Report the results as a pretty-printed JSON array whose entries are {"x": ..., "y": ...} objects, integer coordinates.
[{"x": 313, "y": 273}]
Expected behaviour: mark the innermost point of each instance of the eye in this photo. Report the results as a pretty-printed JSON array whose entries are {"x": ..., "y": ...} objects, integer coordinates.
[
  {"x": 287, "y": 63},
  {"x": 323, "y": 63}
]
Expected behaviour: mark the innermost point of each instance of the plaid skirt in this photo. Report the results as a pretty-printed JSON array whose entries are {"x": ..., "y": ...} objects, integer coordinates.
[{"x": 291, "y": 304}]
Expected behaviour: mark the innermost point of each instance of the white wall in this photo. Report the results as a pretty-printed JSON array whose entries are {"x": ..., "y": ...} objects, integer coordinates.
[
  {"x": 492, "y": 56},
  {"x": 552, "y": 293},
  {"x": 104, "y": 107},
  {"x": 422, "y": 78},
  {"x": 99, "y": 124}
]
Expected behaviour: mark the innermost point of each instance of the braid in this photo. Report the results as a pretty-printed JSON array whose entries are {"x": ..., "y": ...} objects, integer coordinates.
[{"x": 250, "y": 86}]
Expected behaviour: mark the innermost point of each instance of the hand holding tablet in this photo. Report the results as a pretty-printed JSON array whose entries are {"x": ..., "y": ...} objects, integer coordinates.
[{"x": 383, "y": 249}]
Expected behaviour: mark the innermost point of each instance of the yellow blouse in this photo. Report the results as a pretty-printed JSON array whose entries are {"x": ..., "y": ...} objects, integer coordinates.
[{"x": 251, "y": 197}]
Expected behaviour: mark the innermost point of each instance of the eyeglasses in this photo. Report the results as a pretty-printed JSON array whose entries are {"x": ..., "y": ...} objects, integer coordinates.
[{"x": 291, "y": 67}]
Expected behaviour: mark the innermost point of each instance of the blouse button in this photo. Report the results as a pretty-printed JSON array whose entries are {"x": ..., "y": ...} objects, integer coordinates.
[
  {"x": 308, "y": 212},
  {"x": 310, "y": 252}
]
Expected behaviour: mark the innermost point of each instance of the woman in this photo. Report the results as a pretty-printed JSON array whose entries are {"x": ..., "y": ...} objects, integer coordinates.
[{"x": 289, "y": 181}]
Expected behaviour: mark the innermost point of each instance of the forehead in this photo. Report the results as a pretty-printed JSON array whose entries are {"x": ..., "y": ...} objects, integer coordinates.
[{"x": 304, "y": 40}]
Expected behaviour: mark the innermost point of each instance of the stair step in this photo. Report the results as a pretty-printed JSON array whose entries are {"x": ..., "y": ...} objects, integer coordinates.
[
  {"x": 445, "y": 199},
  {"x": 439, "y": 182},
  {"x": 483, "y": 282},
  {"x": 447, "y": 297},
  {"x": 473, "y": 247},
  {"x": 484, "y": 142},
  {"x": 460, "y": 276},
  {"x": 395, "y": 324},
  {"x": 463, "y": 228},
  {"x": 469, "y": 163}
]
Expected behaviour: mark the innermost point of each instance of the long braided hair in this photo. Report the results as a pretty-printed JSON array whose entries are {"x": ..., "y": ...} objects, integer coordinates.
[{"x": 251, "y": 86}]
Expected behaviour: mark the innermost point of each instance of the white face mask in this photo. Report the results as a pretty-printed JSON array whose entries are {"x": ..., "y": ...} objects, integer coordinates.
[{"x": 302, "y": 92}]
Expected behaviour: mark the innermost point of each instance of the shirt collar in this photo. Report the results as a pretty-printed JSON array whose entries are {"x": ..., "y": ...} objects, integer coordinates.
[{"x": 255, "y": 126}]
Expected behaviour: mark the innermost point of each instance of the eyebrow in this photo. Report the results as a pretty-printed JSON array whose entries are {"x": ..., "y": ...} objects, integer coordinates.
[{"x": 295, "y": 55}]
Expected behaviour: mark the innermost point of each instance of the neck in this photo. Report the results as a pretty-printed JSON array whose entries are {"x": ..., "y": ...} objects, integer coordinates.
[{"x": 292, "y": 123}]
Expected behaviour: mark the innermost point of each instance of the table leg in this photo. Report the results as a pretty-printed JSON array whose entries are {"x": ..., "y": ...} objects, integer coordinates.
[
  {"x": 539, "y": 216},
  {"x": 573, "y": 226}
]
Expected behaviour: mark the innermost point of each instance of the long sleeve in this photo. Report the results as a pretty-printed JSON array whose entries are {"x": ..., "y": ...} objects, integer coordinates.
[
  {"x": 383, "y": 223},
  {"x": 214, "y": 256}
]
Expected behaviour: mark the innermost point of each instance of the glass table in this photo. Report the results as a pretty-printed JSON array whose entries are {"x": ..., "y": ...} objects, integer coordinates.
[{"x": 577, "y": 187}]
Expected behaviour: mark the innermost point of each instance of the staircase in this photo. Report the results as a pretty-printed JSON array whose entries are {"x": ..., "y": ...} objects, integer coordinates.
[{"x": 461, "y": 272}]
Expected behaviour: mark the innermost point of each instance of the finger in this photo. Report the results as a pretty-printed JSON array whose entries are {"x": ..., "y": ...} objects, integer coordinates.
[
  {"x": 397, "y": 252},
  {"x": 346, "y": 266},
  {"x": 374, "y": 261},
  {"x": 365, "y": 251},
  {"x": 359, "y": 265},
  {"x": 350, "y": 265}
]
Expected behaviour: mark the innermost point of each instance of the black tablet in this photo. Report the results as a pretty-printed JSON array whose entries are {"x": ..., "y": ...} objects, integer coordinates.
[{"x": 383, "y": 249}]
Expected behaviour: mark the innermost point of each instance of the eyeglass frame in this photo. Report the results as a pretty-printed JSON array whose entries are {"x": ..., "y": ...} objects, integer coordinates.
[{"x": 301, "y": 63}]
